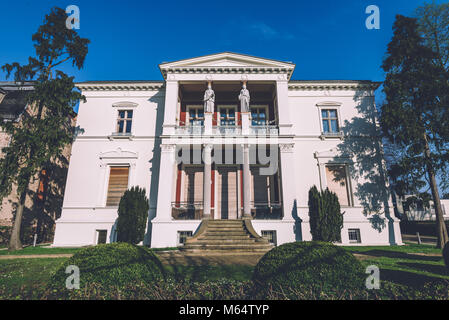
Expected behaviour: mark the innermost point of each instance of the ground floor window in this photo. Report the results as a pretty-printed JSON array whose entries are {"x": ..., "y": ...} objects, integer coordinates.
[
  {"x": 338, "y": 182},
  {"x": 354, "y": 236},
  {"x": 183, "y": 235},
  {"x": 270, "y": 235},
  {"x": 102, "y": 236},
  {"x": 118, "y": 184}
]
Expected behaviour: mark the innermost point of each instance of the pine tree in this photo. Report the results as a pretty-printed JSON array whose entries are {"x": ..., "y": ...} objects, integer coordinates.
[
  {"x": 132, "y": 216},
  {"x": 415, "y": 115},
  {"x": 45, "y": 128},
  {"x": 325, "y": 217}
]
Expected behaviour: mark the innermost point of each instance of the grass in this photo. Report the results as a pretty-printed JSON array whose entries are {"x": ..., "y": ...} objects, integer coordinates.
[
  {"x": 39, "y": 250},
  {"x": 411, "y": 265}
]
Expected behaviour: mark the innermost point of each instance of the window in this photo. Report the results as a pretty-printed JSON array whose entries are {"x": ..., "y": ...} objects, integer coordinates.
[
  {"x": 330, "y": 121},
  {"x": 196, "y": 116},
  {"x": 270, "y": 235},
  {"x": 354, "y": 236},
  {"x": 125, "y": 121},
  {"x": 101, "y": 236},
  {"x": 183, "y": 235},
  {"x": 259, "y": 116},
  {"x": 227, "y": 116},
  {"x": 337, "y": 181},
  {"x": 118, "y": 184}
]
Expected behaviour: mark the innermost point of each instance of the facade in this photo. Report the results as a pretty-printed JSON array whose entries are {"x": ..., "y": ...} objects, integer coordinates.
[
  {"x": 417, "y": 211},
  {"x": 44, "y": 202},
  {"x": 226, "y": 137}
]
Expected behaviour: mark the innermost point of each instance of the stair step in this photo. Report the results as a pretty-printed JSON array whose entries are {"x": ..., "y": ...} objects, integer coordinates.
[
  {"x": 224, "y": 241},
  {"x": 249, "y": 247}
]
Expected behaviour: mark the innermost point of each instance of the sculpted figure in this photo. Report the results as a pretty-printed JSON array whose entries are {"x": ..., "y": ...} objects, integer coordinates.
[
  {"x": 209, "y": 99},
  {"x": 244, "y": 98}
]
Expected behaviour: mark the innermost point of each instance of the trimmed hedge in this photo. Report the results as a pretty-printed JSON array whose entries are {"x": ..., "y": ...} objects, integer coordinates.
[
  {"x": 115, "y": 264},
  {"x": 446, "y": 255},
  {"x": 313, "y": 267}
]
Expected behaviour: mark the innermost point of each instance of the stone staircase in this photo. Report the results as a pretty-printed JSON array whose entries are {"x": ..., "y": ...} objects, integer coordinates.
[{"x": 222, "y": 236}]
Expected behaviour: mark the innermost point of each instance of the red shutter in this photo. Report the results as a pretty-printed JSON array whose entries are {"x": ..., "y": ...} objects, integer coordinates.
[
  {"x": 178, "y": 186},
  {"x": 182, "y": 119}
]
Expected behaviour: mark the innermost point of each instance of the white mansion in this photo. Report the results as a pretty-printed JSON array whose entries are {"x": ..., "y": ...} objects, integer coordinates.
[{"x": 226, "y": 137}]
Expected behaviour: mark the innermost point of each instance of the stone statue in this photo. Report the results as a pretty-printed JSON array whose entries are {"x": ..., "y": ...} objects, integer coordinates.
[
  {"x": 244, "y": 98},
  {"x": 209, "y": 99}
]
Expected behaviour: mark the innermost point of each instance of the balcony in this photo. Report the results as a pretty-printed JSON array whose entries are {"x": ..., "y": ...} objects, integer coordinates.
[
  {"x": 266, "y": 210},
  {"x": 264, "y": 130},
  {"x": 187, "y": 210}
]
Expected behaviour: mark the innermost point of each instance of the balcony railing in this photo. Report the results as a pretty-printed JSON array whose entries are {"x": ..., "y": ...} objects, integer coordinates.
[
  {"x": 189, "y": 130},
  {"x": 264, "y": 130},
  {"x": 266, "y": 210},
  {"x": 187, "y": 210}
]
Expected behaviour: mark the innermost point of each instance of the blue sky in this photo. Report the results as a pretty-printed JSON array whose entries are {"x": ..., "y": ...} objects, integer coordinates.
[{"x": 326, "y": 39}]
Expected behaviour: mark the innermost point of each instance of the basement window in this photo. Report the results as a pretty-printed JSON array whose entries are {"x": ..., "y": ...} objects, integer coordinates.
[
  {"x": 183, "y": 235},
  {"x": 270, "y": 235},
  {"x": 354, "y": 236},
  {"x": 101, "y": 236}
]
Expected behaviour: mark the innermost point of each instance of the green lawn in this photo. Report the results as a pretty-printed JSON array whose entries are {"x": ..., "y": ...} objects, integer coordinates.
[
  {"x": 411, "y": 265},
  {"x": 39, "y": 250}
]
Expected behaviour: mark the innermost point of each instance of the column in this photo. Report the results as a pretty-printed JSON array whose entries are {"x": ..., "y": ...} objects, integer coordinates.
[
  {"x": 246, "y": 183},
  {"x": 288, "y": 178},
  {"x": 171, "y": 101},
  {"x": 167, "y": 172},
  {"x": 207, "y": 180},
  {"x": 245, "y": 123},
  {"x": 285, "y": 124},
  {"x": 208, "y": 123}
]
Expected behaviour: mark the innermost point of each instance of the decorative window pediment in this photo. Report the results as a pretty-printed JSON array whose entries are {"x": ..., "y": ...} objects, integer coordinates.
[{"x": 119, "y": 153}]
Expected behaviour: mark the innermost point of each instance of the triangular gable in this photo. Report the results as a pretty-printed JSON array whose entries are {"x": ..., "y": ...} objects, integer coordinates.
[{"x": 227, "y": 60}]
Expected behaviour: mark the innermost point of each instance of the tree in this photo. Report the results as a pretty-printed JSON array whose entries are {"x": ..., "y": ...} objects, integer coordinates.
[
  {"x": 415, "y": 114},
  {"x": 45, "y": 128},
  {"x": 326, "y": 219},
  {"x": 433, "y": 20},
  {"x": 132, "y": 216}
]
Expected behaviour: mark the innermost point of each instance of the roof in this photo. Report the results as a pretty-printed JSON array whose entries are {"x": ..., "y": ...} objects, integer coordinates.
[{"x": 13, "y": 100}]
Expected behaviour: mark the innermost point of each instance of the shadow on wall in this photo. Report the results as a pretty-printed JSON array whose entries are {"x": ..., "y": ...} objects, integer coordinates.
[
  {"x": 41, "y": 215},
  {"x": 155, "y": 163},
  {"x": 363, "y": 144}
]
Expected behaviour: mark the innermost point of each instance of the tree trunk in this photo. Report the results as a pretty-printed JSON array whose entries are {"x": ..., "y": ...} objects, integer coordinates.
[
  {"x": 440, "y": 224},
  {"x": 14, "y": 242}
]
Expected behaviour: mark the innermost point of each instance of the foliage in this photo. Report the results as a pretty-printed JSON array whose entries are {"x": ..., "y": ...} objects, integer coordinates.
[
  {"x": 326, "y": 219},
  {"x": 111, "y": 264},
  {"x": 415, "y": 115},
  {"x": 132, "y": 216},
  {"x": 45, "y": 128},
  {"x": 315, "y": 267}
]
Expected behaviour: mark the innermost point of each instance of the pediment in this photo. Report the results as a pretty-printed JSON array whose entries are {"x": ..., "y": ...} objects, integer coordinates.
[
  {"x": 119, "y": 153},
  {"x": 227, "y": 60}
]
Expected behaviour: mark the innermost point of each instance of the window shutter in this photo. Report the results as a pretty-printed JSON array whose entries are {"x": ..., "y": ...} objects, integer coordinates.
[
  {"x": 118, "y": 184},
  {"x": 337, "y": 182}
]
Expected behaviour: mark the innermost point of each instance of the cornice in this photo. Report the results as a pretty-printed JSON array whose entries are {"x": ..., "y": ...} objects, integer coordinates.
[
  {"x": 343, "y": 85},
  {"x": 227, "y": 70},
  {"x": 117, "y": 86}
]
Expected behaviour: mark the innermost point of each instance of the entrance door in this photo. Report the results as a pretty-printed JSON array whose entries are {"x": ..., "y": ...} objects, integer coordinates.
[{"x": 227, "y": 193}]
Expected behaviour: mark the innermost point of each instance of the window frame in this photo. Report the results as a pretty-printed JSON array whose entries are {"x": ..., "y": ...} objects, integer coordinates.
[
  {"x": 227, "y": 107},
  {"x": 125, "y": 121},
  {"x": 108, "y": 176},
  {"x": 329, "y": 106},
  {"x": 274, "y": 238},
  {"x": 194, "y": 107},
  {"x": 348, "y": 181},
  {"x": 267, "y": 115},
  {"x": 180, "y": 232},
  {"x": 358, "y": 236}
]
